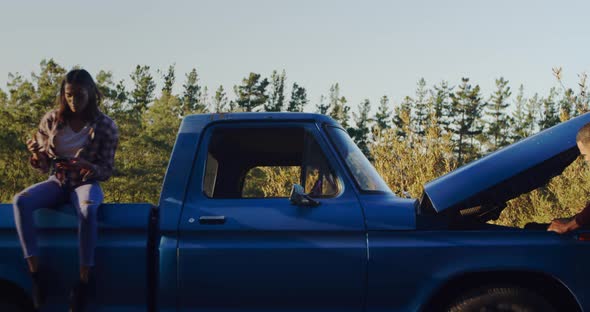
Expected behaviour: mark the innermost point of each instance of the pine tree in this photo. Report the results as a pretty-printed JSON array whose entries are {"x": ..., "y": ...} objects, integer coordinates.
[
  {"x": 5, "y": 117},
  {"x": 18, "y": 118},
  {"x": 203, "y": 102},
  {"x": 550, "y": 117},
  {"x": 3, "y": 99},
  {"x": 520, "y": 128},
  {"x": 582, "y": 102},
  {"x": 322, "y": 107},
  {"x": 233, "y": 106},
  {"x": 48, "y": 84},
  {"x": 565, "y": 105},
  {"x": 340, "y": 111},
  {"x": 21, "y": 90},
  {"x": 533, "y": 113},
  {"x": 114, "y": 96},
  {"x": 442, "y": 106},
  {"x": 161, "y": 121},
  {"x": 191, "y": 95},
  {"x": 104, "y": 83},
  {"x": 169, "y": 78},
  {"x": 276, "y": 99},
  {"x": 383, "y": 115},
  {"x": 219, "y": 100},
  {"x": 252, "y": 93},
  {"x": 143, "y": 93},
  {"x": 570, "y": 105},
  {"x": 360, "y": 133},
  {"x": 421, "y": 108},
  {"x": 402, "y": 117},
  {"x": 121, "y": 98},
  {"x": 20, "y": 102},
  {"x": 466, "y": 109},
  {"x": 499, "y": 120},
  {"x": 298, "y": 99},
  {"x": 149, "y": 150}
]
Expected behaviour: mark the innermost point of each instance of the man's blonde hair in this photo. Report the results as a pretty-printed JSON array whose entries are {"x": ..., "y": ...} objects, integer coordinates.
[{"x": 584, "y": 134}]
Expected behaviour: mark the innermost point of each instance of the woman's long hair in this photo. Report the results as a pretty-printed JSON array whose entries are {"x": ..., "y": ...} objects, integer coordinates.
[{"x": 82, "y": 78}]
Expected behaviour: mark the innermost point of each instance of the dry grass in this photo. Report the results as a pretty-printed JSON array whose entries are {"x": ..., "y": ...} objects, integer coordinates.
[
  {"x": 564, "y": 196},
  {"x": 407, "y": 164}
]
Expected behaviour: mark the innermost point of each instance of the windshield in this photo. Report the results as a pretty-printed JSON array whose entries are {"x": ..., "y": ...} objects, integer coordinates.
[{"x": 362, "y": 170}]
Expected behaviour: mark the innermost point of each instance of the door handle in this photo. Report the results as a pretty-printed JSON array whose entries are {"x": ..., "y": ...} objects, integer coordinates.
[{"x": 212, "y": 220}]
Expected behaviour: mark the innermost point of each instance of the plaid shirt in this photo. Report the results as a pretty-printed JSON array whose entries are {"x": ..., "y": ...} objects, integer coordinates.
[{"x": 99, "y": 149}]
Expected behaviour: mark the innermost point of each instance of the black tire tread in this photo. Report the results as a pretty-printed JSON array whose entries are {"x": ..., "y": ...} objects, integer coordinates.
[
  {"x": 13, "y": 299},
  {"x": 522, "y": 299}
]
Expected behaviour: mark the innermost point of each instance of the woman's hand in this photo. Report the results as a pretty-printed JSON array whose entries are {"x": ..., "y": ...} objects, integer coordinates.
[
  {"x": 563, "y": 225},
  {"x": 85, "y": 167},
  {"x": 40, "y": 160}
]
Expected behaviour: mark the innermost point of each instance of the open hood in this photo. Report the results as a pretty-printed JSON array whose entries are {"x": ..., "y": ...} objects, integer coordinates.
[{"x": 484, "y": 185}]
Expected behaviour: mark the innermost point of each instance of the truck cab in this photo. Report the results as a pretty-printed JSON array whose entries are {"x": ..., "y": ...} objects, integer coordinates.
[{"x": 241, "y": 244}]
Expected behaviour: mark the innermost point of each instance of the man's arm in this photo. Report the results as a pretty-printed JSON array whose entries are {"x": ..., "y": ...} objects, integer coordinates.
[
  {"x": 583, "y": 218},
  {"x": 563, "y": 226}
]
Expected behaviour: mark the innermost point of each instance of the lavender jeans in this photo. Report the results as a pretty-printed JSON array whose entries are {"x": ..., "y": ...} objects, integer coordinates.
[{"x": 49, "y": 194}]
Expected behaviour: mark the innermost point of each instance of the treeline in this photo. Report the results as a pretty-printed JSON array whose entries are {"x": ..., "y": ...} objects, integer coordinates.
[{"x": 425, "y": 135}]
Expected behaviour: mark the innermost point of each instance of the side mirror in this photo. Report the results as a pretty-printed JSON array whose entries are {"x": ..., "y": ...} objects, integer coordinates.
[{"x": 299, "y": 198}]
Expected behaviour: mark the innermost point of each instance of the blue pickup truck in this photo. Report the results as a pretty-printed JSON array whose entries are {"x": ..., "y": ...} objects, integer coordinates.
[{"x": 337, "y": 239}]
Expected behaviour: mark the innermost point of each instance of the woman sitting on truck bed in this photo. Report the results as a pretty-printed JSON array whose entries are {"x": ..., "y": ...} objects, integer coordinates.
[{"x": 75, "y": 144}]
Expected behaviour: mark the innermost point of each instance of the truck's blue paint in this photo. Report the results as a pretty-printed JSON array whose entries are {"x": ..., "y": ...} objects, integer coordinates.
[
  {"x": 354, "y": 252},
  {"x": 121, "y": 245},
  {"x": 380, "y": 216},
  {"x": 405, "y": 268},
  {"x": 171, "y": 201}
]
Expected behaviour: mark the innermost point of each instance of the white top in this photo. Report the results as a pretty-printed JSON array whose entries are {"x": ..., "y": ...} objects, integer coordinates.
[{"x": 68, "y": 143}]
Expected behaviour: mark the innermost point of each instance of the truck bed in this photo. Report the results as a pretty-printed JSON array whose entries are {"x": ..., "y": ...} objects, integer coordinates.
[{"x": 122, "y": 255}]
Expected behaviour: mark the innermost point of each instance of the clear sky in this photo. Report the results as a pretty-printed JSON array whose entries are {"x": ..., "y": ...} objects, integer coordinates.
[{"x": 372, "y": 48}]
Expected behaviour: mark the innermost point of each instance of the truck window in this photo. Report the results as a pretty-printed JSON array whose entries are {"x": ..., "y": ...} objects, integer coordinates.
[
  {"x": 265, "y": 163},
  {"x": 210, "y": 175},
  {"x": 365, "y": 175}
]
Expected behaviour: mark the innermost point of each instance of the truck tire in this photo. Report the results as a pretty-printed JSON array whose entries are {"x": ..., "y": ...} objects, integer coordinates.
[
  {"x": 13, "y": 300},
  {"x": 6, "y": 306},
  {"x": 507, "y": 298}
]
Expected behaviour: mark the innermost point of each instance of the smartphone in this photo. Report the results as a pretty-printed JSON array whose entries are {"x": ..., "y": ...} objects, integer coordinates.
[{"x": 61, "y": 159}]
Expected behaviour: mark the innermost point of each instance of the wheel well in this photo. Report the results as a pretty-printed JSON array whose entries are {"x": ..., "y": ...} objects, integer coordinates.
[
  {"x": 543, "y": 284},
  {"x": 11, "y": 291}
]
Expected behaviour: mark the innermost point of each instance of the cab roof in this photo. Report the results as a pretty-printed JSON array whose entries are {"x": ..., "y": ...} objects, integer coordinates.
[{"x": 196, "y": 122}]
